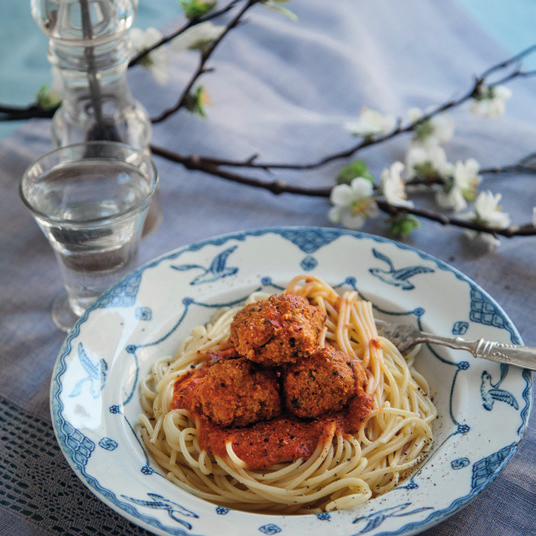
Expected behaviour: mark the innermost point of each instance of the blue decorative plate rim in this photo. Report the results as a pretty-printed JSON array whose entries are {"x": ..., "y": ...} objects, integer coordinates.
[{"x": 308, "y": 241}]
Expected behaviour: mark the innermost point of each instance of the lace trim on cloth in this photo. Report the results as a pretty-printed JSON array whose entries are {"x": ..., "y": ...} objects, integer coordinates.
[{"x": 37, "y": 484}]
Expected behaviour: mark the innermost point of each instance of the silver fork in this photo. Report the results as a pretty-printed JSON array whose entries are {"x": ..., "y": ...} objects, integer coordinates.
[{"x": 404, "y": 336}]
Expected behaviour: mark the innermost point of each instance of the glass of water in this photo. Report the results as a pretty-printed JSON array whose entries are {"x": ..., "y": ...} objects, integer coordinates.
[{"x": 90, "y": 200}]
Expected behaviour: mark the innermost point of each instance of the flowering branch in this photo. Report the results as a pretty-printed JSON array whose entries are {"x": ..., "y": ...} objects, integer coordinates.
[
  {"x": 357, "y": 196},
  {"x": 369, "y": 141},
  {"x": 213, "y": 166},
  {"x": 137, "y": 59},
  {"x": 278, "y": 187}
]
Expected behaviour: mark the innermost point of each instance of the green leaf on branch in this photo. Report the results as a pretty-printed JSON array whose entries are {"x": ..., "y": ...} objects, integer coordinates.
[
  {"x": 197, "y": 8},
  {"x": 402, "y": 225},
  {"x": 196, "y": 101},
  {"x": 274, "y": 5},
  {"x": 46, "y": 98},
  {"x": 357, "y": 168}
]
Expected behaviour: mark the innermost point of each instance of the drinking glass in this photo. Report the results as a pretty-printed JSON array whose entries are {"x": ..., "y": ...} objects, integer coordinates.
[{"x": 90, "y": 200}]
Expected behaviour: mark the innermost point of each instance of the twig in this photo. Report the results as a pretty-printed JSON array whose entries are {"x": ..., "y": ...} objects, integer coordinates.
[
  {"x": 511, "y": 61},
  {"x": 276, "y": 187},
  {"x": 15, "y": 113},
  {"x": 509, "y": 232},
  {"x": 202, "y": 62},
  {"x": 253, "y": 162},
  {"x": 279, "y": 187}
]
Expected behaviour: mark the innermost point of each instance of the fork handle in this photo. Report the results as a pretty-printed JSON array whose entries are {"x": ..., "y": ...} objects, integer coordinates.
[{"x": 510, "y": 354}]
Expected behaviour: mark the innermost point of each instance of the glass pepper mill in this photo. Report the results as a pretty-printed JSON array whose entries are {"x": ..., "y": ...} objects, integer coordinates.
[{"x": 89, "y": 51}]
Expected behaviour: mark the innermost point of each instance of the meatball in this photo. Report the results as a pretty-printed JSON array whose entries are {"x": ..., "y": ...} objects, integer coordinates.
[
  {"x": 325, "y": 382},
  {"x": 278, "y": 330},
  {"x": 235, "y": 392}
]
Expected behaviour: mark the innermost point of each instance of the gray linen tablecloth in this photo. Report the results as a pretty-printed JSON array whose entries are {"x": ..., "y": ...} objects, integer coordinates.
[{"x": 281, "y": 89}]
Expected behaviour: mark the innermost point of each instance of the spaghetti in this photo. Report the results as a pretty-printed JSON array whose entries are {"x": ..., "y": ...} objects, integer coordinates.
[{"x": 340, "y": 469}]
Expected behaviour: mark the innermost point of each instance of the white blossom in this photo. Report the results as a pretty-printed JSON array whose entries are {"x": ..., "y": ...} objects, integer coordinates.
[
  {"x": 486, "y": 239},
  {"x": 197, "y": 37},
  {"x": 157, "y": 61},
  {"x": 353, "y": 203},
  {"x": 427, "y": 159},
  {"x": 461, "y": 187},
  {"x": 490, "y": 101},
  {"x": 393, "y": 187},
  {"x": 436, "y": 130},
  {"x": 489, "y": 213},
  {"x": 371, "y": 123}
]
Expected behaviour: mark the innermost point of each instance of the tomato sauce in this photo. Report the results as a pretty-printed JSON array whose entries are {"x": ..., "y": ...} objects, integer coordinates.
[{"x": 266, "y": 443}]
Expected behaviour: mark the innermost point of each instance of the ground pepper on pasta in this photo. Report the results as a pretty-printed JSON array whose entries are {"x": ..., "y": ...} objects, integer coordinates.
[{"x": 289, "y": 403}]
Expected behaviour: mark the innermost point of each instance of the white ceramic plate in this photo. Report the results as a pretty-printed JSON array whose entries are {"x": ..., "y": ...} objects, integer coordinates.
[{"x": 483, "y": 406}]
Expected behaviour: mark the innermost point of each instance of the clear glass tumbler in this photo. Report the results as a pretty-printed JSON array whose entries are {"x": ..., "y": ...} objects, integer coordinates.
[{"x": 90, "y": 200}]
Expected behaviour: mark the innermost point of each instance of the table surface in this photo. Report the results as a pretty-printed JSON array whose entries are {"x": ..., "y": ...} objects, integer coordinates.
[{"x": 281, "y": 89}]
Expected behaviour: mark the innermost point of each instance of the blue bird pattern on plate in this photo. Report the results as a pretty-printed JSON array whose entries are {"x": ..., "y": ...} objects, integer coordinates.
[
  {"x": 96, "y": 374},
  {"x": 491, "y": 393},
  {"x": 397, "y": 277},
  {"x": 375, "y": 520},
  {"x": 173, "y": 509},
  {"x": 218, "y": 269}
]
